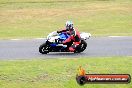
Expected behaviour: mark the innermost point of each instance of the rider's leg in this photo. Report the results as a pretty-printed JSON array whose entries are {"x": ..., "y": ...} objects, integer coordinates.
[
  {"x": 73, "y": 46},
  {"x": 67, "y": 40},
  {"x": 71, "y": 49}
]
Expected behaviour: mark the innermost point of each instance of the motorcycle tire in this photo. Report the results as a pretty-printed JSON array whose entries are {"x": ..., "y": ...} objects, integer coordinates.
[
  {"x": 81, "y": 47},
  {"x": 44, "y": 48}
]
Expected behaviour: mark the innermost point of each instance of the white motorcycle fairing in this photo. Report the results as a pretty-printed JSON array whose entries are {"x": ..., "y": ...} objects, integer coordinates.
[{"x": 85, "y": 35}]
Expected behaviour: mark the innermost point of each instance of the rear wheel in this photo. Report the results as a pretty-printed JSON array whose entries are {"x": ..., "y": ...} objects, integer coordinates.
[
  {"x": 81, "y": 47},
  {"x": 44, "y": 48}
]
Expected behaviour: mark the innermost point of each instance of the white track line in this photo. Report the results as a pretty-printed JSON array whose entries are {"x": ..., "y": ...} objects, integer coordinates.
[
  {"x": 15, "y": 39},
  {"x": 39, "y": 38},
  {"x": 117, "y": 36},
  {"x": 27, "y": 39}
]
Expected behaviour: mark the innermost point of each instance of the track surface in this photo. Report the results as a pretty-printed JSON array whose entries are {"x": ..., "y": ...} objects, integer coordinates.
[{"x": 100, "y": 46}]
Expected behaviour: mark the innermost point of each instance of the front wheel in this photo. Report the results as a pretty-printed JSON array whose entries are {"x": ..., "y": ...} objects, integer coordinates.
[
  {"x": 44, "y": 48},
  {"x": 81, "y": 47}
]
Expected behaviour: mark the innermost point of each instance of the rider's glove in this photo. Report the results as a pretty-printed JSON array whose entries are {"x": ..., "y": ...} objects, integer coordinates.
[{"x": 58, "y": 31}]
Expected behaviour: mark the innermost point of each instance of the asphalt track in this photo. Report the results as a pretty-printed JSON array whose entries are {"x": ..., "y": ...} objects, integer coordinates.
[{"x": 97, "y": 46}]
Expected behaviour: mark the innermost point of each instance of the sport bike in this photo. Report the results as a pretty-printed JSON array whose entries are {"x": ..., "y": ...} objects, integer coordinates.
[{"x": 54, "y": 41}]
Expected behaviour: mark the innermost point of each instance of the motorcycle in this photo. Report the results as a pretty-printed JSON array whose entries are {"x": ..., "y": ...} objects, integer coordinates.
[{"x": 54, "y": 43}]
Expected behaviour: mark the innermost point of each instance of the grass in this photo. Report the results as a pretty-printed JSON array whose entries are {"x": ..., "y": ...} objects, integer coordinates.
[
  {"x": 60, "y": 73},
  {"x": 36, "y": 18}
]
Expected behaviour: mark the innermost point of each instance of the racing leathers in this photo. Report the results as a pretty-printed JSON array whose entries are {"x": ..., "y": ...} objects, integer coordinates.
[{"x": 74, "y": 36}]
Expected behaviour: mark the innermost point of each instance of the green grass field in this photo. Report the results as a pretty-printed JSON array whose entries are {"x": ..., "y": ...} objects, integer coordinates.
[
  {"x": 36, "y": 18},
  {"x": 60, "y": 73}
]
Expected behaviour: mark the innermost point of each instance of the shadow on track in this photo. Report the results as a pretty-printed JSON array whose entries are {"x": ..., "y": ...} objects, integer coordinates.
[{"x": 63, "y": 54}]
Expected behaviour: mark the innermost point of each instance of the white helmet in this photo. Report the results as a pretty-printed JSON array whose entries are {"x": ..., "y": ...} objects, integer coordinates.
[{"x": 69, "y": 25}]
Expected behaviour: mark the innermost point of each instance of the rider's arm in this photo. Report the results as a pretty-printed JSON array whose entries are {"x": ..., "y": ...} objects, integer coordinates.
[{"x": 64, "y": 30}]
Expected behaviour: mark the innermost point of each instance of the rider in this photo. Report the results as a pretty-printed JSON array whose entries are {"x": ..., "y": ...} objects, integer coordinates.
[{"x": 74, "y": 36}]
